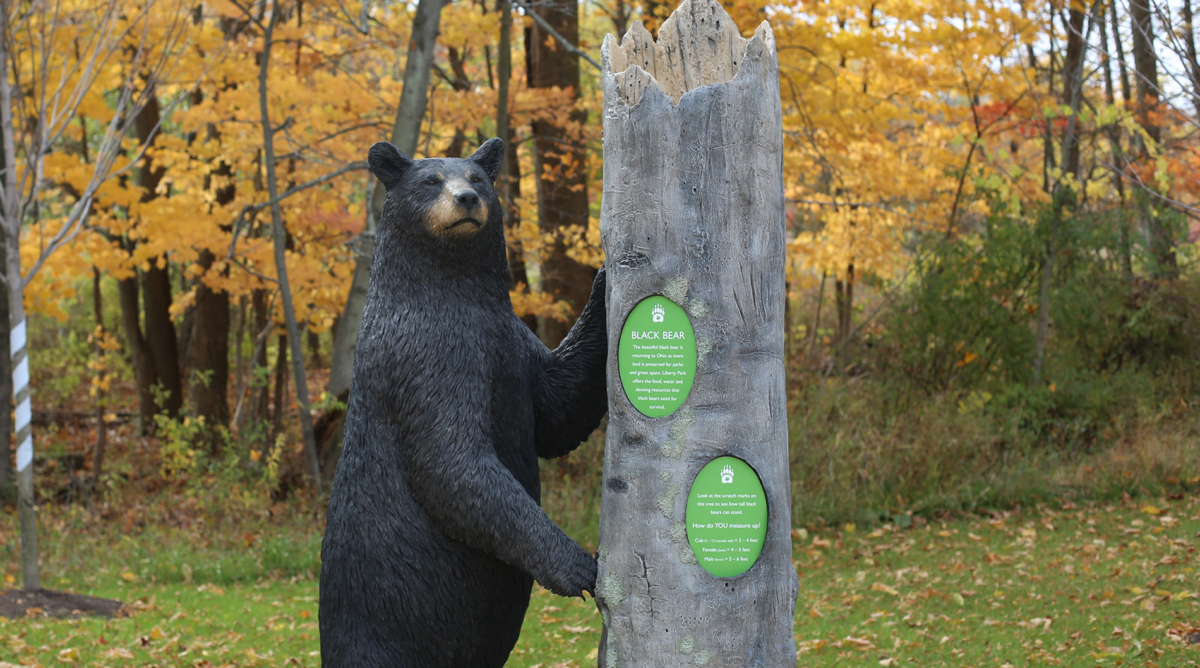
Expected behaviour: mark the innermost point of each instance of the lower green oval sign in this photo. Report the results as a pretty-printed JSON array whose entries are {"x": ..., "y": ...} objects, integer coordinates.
[
  {"x": 657, "y": 356},
  {"x": 726, "y": 517}
]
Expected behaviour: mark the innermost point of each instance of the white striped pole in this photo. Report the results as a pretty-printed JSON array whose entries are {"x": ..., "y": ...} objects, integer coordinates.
[
  {"x": 24, "y": 418},
  {"x": 21, "y": 397}
]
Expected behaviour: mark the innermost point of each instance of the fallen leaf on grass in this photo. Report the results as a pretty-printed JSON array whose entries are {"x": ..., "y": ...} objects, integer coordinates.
[
  {"x": 879, "y": 586},
  {"x": 859, "y": 643},
  {"x": 1043, "y": 622}
]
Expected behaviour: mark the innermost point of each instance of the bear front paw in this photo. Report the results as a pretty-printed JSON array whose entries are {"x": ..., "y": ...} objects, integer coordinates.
[{"x": 572, "y": 577}]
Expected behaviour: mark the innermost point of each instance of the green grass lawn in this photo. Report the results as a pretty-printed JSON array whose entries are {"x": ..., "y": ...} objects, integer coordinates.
[{"x": 1097, "y": 585}]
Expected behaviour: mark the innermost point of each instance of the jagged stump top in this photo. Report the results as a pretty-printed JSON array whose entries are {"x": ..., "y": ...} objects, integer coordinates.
[{"x": 697, "y": 46}]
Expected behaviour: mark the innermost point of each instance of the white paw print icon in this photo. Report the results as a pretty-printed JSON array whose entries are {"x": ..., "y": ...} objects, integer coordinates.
[
  {"x": 727, "y": 474},
  {"x": 658, "y": 313}
]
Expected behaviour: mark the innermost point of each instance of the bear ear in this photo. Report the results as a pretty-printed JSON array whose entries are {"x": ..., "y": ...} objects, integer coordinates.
[
  {"x": 490, "y": 157},
  {"x": 387, "y": 163}
]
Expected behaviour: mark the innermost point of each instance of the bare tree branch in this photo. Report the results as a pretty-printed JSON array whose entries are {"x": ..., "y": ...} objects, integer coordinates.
[{"x": 554, "y": 33}]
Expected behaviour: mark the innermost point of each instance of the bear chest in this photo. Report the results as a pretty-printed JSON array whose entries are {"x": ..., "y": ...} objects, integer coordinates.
[{"x": 512, "y": 415}]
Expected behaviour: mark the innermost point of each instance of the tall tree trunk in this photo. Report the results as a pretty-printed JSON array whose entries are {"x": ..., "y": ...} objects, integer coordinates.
[
  {"x": 664, "y": 598},
  {"x": 139, "y": 352},
  {"x": 26, "y": 495},
  {"x": 1123, "y": 69},
  {"x": 510, "y": 173},
  {"x": 314, "y": 349},
  {"x": 1114, "y": 141},
  {"x": 1189, "y": 41},
  {"x": 281, "y": 272},
  {"x": 208, "y": 390},
  {"x": 262, "y": 405},
  {"x": 1146, "y": 63},
  {"x": 619, "y": 12},
  {"x": 185, "y": 330},
  {"x": 101, "y": 425},
  {"x": 160, "y": 335},
  {"x": 405, "y": 132},
  {"x": 156, "y": 281},
  {"x": 843, "y": 290},
  {"x": 7, "y": 491},
  {"x": 1064, "y": 198},
  {"x": 209, "y": 383},
  {"x": 280, "y": 404},
  {"x": 239, "y": 342},
  {"x": 1162, "y": 245},
  {"x": 560, "y": 164},
  {"x": 1072, "y": 68}
]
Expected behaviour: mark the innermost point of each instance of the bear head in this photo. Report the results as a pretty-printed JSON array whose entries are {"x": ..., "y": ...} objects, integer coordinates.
[{"x": 443, "y": 199}]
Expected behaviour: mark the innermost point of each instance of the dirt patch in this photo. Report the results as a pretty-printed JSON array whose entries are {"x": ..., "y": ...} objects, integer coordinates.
[{"x": 16, "y": 603}]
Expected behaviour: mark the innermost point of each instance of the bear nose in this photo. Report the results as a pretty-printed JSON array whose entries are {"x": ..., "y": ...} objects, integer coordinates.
[{"x": 467, "y": 199}]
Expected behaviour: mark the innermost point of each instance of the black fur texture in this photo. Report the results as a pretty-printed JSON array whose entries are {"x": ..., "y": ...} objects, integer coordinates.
[{"x": 434, "y": 532}]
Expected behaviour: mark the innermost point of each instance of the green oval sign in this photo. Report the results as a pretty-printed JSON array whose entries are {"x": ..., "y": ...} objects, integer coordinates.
[
  {"x": 657, "y": 356},
  {"x": 726, "y": 517}
]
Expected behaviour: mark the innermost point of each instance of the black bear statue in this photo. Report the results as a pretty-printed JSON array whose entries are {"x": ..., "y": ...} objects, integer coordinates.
[{"x": 434, "y": 531}]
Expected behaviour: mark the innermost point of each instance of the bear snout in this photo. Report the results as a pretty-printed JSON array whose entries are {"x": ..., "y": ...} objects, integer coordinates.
[
  {"x": 467, "y": 199},
  {"x": 459, "y": 212}
]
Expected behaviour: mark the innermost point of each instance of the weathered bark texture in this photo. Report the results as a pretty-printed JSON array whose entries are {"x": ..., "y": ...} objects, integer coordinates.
[
  {"x": 693, "y": 209},
  {"x": 560, "y": 162}
]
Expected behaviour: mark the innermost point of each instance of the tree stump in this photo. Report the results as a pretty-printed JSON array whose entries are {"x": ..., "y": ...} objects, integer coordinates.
[{"x": 692, "y": 222}]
